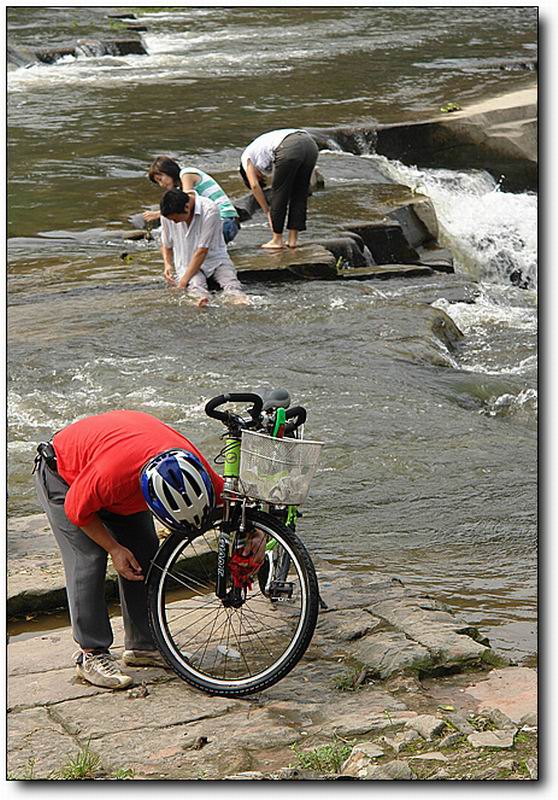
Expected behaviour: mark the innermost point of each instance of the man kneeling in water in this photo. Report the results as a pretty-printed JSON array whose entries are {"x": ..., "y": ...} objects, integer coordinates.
[{"x": 193, "y": 246}]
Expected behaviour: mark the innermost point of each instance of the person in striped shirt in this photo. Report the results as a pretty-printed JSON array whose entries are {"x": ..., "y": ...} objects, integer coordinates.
[{"x": 167, "y": 174}]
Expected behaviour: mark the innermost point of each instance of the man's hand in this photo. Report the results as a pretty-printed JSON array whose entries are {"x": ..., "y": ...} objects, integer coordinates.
[
  {"x": 169, "y": 276},
  {"x": 151, "y": 216},
  {"x": 126, "y": 564},
  {"x": 255, "y": 546},
  {"x": 269, "y": 220}
]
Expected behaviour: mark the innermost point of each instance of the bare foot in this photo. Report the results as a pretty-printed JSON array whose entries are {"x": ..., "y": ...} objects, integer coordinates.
[
  {"x": 238, "y": 299},
  {"x": 203, "y": 302},
  {"x": 273, "y": 245}
]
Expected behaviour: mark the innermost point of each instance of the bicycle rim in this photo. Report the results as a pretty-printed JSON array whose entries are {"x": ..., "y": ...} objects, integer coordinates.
[{"x": 231, "y": 651}]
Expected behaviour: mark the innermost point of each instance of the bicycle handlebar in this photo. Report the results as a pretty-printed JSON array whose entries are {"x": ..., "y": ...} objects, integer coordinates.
[
  {"x": 233, "y": 397},
  {"x": 299, "y": 414}
]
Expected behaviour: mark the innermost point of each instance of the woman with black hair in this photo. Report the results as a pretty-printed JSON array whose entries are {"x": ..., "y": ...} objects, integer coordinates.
[
  {"x": 167, "y": 174},
  {"x": 289, "y": 155}
]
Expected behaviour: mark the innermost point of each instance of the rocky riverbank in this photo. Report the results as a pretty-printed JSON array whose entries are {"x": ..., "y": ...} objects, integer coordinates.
[{"x": 394, "y": 686}]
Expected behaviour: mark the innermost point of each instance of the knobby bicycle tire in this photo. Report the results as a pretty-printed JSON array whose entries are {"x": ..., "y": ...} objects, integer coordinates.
[{"x": 164, "y": 574}]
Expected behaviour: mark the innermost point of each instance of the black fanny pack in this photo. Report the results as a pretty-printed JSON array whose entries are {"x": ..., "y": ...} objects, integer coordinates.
[{"x": 47, "y": 453}]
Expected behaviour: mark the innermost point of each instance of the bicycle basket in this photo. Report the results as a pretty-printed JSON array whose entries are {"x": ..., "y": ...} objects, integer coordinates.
[{"x": 277, "y": 470}]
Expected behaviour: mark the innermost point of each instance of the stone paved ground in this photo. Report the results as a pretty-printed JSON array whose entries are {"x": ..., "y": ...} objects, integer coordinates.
[{"x": 363, "y": 683}]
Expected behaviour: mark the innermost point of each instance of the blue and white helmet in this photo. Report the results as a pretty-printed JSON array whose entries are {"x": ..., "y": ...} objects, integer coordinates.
[{"x": 178, "y": 489}]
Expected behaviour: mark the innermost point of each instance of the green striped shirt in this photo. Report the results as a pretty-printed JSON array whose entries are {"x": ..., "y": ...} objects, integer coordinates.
[{"x": 208, "y": 187}]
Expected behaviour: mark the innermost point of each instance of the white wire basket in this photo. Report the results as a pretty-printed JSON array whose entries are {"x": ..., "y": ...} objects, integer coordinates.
[{"x": 277, "y": 470}]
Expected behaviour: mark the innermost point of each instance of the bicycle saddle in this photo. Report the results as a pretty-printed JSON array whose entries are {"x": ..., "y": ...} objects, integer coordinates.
[{"x": 274, "y": 398}]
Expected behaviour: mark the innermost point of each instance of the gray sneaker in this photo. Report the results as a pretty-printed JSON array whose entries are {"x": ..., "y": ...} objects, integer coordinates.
[
  {"x": 144, "y": 658},
  {"x": 100, "y": 669}
]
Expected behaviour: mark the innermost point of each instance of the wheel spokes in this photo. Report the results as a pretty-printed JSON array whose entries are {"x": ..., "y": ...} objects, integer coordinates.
[{"x": 226, "y": 643}]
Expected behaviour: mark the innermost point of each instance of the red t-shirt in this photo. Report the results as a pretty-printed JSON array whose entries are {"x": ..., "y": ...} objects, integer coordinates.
[{"x": 101, "y": 458}]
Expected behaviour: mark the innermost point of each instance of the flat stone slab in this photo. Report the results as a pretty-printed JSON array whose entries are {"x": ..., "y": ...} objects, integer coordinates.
[
  {"x": 306, "y": 261},
  {"x": 389, "y": 652},
  {"x": 37, "y": 744},
  {"x": 384, "y": 271},
  {"x": 499, "y": 740},
  {"x": 513, "y": 691},
  {"x": 35, "y": 574},
  {"x": 312, "y": 261}
]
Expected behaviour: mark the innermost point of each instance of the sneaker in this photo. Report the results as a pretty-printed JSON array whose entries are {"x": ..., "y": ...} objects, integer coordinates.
[
  {"x": 144, "y": 658},
  {"x": 100, "y": 669}
]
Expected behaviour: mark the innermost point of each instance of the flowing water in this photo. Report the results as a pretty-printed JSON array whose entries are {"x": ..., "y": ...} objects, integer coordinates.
[{"x": 430, "y": 470}]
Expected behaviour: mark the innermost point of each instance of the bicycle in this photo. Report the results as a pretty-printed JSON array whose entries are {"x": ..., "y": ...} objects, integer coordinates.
[{"x": 223, "y": 624}]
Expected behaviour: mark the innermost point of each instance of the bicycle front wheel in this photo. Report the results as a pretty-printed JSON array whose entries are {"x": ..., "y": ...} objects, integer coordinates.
[{"x": 215, "y": 646}]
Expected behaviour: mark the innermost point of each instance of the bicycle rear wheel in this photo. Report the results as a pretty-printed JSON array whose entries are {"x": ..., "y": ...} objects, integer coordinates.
[{"x": 225, "y": 650}]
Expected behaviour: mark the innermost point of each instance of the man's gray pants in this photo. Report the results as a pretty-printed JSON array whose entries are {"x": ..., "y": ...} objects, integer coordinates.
[
  {"x": 85, "y": 565},
  {"x": 294, "y": 161}
]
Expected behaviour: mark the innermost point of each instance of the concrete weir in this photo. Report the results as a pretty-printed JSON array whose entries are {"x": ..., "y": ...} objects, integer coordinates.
[{"x": 498, "y": 134}]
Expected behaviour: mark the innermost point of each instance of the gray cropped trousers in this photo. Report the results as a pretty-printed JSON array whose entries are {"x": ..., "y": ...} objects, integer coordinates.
[
  {"x": 85, "y": 565},
  {"x": 295, "y": 158}
]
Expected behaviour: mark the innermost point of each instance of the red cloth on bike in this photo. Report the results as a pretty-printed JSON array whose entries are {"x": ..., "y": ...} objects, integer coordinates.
[
  {"x": 101, "y": 458},
  {"x": 243, "y": 569}
]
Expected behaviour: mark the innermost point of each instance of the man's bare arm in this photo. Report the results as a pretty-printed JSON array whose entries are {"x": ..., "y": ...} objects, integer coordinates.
[
  {"x": 256, "y": 189},
  {"x": 168, "y": 269},
  {"x": 193, "y": 267},
  {"x": 123, "y": 559}
]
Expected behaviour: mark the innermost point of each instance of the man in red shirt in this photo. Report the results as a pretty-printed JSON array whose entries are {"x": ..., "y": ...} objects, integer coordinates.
[{"x": 88, "y": 483}]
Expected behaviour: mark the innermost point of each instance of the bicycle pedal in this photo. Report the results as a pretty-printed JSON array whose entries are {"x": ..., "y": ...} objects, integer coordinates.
[{"x": 281, "y": 590}]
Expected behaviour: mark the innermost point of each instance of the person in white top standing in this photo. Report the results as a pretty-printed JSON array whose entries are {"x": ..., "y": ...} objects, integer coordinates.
[
  {"x": 289, "y": 155},
  {"x": 193, "y": 247}
]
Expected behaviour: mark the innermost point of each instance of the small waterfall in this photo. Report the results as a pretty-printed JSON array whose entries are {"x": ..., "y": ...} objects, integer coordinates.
[
  {"x": 365, "y": 141},
  {"x": 492, "y": 234},
  {"x": 92, "y": 48},
  {"x": 368, "y": 257}
]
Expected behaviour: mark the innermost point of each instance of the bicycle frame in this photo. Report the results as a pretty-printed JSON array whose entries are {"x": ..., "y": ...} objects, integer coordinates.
[{"x": 233, "y": 500}]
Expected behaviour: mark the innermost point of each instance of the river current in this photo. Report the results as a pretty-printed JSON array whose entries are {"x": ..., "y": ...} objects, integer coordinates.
[{"x": 430, "y": 468}]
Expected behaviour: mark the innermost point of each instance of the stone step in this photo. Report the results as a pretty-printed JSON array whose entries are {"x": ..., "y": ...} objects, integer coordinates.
[{"x": 312, "y": 261}]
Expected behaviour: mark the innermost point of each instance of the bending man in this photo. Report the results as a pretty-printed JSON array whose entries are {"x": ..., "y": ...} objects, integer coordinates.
[
  {"x": 289, "y": 156},
  {"x": 88, "y": 483}
]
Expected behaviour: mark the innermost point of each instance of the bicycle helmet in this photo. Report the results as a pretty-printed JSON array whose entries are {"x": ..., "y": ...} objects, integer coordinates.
[{"x": 178, "y": 489}]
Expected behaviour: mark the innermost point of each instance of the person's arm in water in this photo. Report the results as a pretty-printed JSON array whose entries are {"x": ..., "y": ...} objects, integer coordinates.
[
  {"x": 194, "y": 266},
  {"x": 254, "y": 180},
  {"x": 123, "y": 559},
  {"x": 168, "y": 268}
]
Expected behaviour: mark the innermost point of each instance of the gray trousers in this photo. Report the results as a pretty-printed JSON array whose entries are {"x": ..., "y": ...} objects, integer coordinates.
[
  {"x": 225, "y": 275},
  {"x": 85, "y": 565},
  {"x": 295, "y": 158}
]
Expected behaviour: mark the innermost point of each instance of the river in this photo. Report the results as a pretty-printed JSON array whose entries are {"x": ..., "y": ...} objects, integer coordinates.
[{"x": 430, "y": 469}]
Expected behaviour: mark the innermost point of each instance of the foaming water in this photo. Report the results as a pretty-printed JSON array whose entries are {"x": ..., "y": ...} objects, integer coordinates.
[{"x": 492, "y": 234}]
